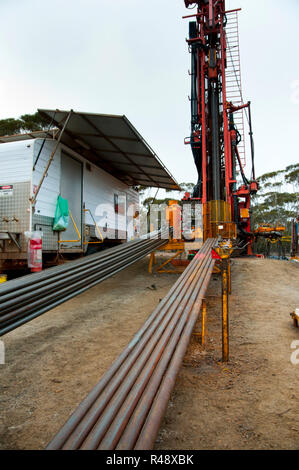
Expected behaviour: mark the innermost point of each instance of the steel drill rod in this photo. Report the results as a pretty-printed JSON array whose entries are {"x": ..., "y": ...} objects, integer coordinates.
[
  {"x": 96, "y": 410},
  {"x": 58, "y": 297},
  {"x": 84, "y": 278},
  {"x": 31, "y": 279},
  {"x": 130, "y": 353},
  {"x": 155, "y": 368},
  {"x": 52, "y": 275},
  {"x": 151, "y": 427},
  {"x": 144, "y": 366},
  {"x": 38, "y": 290},
  {"x": 70, "y": 435},
  {"x": 137, "y": 419}
]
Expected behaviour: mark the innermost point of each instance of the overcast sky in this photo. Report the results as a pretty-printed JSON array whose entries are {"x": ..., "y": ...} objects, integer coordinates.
[{"x": 130, "y": 57}]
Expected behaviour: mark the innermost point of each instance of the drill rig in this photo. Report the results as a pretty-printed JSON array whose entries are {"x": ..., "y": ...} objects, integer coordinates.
[{"x": 215, "y": 138}]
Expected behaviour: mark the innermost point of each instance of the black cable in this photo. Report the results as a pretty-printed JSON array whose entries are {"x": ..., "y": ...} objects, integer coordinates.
[
  {"x": 252, "y": 161},
  {"x": 251, "y": 142}
]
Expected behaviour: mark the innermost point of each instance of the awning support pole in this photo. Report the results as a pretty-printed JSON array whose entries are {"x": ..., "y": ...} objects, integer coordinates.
[{"x": 33, "y": 199}]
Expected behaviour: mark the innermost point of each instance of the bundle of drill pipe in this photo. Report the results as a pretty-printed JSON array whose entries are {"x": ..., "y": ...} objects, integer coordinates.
[
  {"x": 24, "y": 299},
  {"x": 125, "y": 409}
]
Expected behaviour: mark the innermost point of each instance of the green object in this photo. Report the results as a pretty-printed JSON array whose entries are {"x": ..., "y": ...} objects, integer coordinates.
[{"x": 61, "y": 219}]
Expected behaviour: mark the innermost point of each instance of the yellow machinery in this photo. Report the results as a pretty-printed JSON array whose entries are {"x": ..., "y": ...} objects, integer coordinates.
[
  {"x": 295, "y": 317},
  {"x": 269, "y": 229},
  {"x": 273, "y": 235},
  {"x": 174, "y": 245},
  {"x": 216, "y": 223}
]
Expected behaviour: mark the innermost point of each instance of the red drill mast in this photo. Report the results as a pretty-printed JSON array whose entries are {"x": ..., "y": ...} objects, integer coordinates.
[{"x": 214, "y": 135}]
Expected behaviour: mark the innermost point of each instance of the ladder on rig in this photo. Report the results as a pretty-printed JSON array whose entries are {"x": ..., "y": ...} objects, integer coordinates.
[{"x": 233, "y": 77}]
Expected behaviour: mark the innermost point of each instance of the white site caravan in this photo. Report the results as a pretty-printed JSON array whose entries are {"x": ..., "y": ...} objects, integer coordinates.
[{"x": 94, "y": 161}]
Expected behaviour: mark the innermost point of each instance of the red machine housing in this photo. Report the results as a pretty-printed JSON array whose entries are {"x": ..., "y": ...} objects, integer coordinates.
[{"x": 214, "y": 136}]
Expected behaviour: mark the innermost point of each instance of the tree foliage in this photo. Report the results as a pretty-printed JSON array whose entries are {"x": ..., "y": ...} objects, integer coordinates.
[
  {"x": 150, "y": 200},
  {"x": 293, "y": 176},
  {"x": 277, "y": 202},
  {"x": 186, "y": 188},
  {"x": 176, "y": 195}
]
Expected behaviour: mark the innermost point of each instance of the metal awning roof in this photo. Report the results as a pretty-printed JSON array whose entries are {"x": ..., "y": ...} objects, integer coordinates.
[{"x": 112, "y": 143}]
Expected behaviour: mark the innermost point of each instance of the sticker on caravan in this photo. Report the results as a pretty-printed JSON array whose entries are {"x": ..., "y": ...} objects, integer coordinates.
[{"x": 6, "y": 190}]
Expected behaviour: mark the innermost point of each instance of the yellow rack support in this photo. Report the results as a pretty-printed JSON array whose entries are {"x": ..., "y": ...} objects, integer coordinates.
[
  {"x": 171, "y": 245},
  {"x": 78, "y": 233}
]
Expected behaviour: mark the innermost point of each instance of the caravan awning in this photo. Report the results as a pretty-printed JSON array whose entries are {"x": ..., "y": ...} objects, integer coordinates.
[{"x": 112, "y": 143}]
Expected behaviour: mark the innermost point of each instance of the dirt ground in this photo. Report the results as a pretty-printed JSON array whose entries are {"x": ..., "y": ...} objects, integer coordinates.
[{"x": 250, "y": 403}]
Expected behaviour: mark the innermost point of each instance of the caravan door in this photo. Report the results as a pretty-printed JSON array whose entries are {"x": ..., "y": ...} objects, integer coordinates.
[{"x": 71, "y": 189}]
